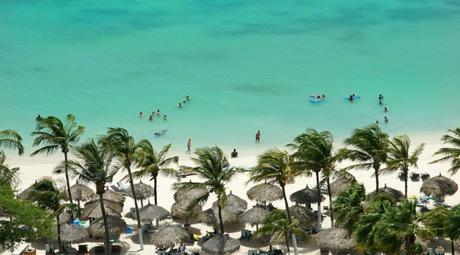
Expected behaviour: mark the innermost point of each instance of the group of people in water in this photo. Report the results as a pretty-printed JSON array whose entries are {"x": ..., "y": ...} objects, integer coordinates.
[
  {"x": 153, "y": 115},
  {"x": 385, "y": 109},
  {"x": 184, "y": 101}
]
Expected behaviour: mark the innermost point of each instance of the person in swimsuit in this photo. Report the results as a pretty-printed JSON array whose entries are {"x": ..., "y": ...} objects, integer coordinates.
[
  {"x": 386, "y": 119},
  {"x": 234, "y": 154},
  {"x": 141, "y": 114},
  {"x": 158, "y": 112},
  {"x": 151, "y": 117},
  {"x": 179, "y": 105},
  {"x": 189, "y": 146},
  {"x": 258, "y": 136},
  {"x": 385, "y": 109},
  {"x": 164, "y": 117}
]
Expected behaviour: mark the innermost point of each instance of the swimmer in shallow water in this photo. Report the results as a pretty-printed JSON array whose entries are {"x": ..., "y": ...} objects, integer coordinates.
[
  {"x": 158, "y": 112},
  {"x": 386, "y": 119},
  {"x": 141, "y": 114},
  {"x": 385, "y": 109},
  {"x": 151, "y": 117},
  {"x": 164, "y": 117},
  {"x": 179, "y": 105},
  {"x": 187, "y": 98}
]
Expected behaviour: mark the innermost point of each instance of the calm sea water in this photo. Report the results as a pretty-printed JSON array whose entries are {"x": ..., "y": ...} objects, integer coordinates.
[{"x": 247, "y": 65}]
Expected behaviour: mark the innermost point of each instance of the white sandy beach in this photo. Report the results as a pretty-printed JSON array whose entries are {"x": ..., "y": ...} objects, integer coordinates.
[{"x": 35, "y": 168}]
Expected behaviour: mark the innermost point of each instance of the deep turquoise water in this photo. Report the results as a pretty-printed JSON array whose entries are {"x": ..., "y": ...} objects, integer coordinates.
[{"x": 247, "y": 65}]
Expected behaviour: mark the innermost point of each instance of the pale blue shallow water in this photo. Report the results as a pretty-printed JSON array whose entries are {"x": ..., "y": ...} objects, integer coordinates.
[{"x": 247, "y": 65}]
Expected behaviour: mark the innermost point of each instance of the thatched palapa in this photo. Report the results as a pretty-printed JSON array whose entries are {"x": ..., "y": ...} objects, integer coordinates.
[
  {"x": 306, "y": 196},
  {"x": 439, "y": 186},
  {"x": 116, "y": 226},
  {"x": 143, "y": 191},
  {"x": 169, "y": 236},
  {"x": 73, "y": 233},
  {"x": 265, "y": 192},
  {"x": 335, "y": 240},
  {"x": 220, "y": 244},
  {"x": 254, "y": 216}
]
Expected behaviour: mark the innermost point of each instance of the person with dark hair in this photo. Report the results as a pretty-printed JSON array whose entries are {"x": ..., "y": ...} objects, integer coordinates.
[{"x": 234, "y": 154}]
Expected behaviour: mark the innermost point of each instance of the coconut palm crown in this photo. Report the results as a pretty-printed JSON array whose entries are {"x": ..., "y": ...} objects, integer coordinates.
[{"x": 451, "y": 153}]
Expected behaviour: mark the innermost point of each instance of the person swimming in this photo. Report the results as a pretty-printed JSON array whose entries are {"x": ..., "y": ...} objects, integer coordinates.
[
  {"x": 151, "y": 117},
  {"x": 380, "y": 97},
  {"x": 377, "y": 122},
  {"x": 351, "y": 98},
  {"x": 179, "y": 105},
  {"x": 385, "y": 109},
  {"x": 234, "y": 154},
  {"x": 141, "y": 114},
  {"x": 380, "y": 102},
  {"x": 386, "y": 119},
  {"x": 187, "y": 98},
  {"x": 164, "y": 117},
  {"x": 323, "y": 96},
  {"x": 158, "y": 112}
]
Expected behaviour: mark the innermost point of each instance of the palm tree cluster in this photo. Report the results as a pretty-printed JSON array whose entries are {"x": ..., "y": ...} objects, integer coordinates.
[{"x": 378, "y": 223}]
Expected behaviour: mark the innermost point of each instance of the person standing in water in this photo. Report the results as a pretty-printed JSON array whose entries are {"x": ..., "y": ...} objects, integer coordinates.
[
  {"x": 158, "y": 112},
  {"x": 164, "y": 117},
  {"x": 141, "y": 114},
  {"x": 386, "y": 119},
  {"x": 385, "y": 109},
  {"x": 258, "y": 136},
  {"x": 189, "y": 146},
  {"x": 179, "y": 105}
]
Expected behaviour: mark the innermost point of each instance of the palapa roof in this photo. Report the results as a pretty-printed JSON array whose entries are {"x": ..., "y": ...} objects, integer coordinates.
[
  {"x": 304, "y": 215},
  {"x": 335, "y": 240},
  {"x": 80, "y": 192},
  {"x": 394, "y": 193},
  {"x": 220, "y": 244},
  {"x": 151, "y": 212},
  {"x": 110, "y": 195},
  {"x": 265, "y": 192},
  {"x": 92, "y": 209},
  {"x": 340, "y": 184},
  {"x": 181, "y": 210},
  {"x": 116, "y": 226},
  {"x": 234, "y": 204},
  {"x": 255, "y": 215},
  {"x": 210, "y": 217},
  {"x": 185, "y": 193},
  {"x": 143, "y": 191},
  {"x": 73, "y": 233},
  {"x": 439, "y": 186},
  {"x": 306, "y": 196},
  {"x": 169, "y": 236}
]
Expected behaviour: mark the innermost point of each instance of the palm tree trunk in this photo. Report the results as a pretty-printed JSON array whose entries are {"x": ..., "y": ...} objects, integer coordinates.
[
  {"x": 287, "y": 242},
  {"x": 330, "y": 201},
  {"x": 59, "y": 233},
  {"x": 452, "y": 246},
  {"x": 376, "y": 173},
  {"x": 318, "y": 189},
  {"x": 288, "y": 212},
  {"x": 108, "y": 248},
  {"x": 221, "y": 223},
  {"x": 155, "y": 189},
  {"x": 139, "y": 225},
  {"x": 66, "y": 170},
  {"x": 405, "y": 172}
]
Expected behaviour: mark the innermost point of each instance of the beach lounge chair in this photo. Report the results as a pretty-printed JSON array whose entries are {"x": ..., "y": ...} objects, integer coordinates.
[
  {"x": 99, "y": 250},
  {"x": 129, "y": 230},
  {"x": 415, "y": 177},
  {"x": 82, "y": 249},
  {"x": 67, "y": 250},
  {"x": 277, "y": 252},
  {"x": 425, "y": 176},
  {"x": 245, "y": 235},
  {"x": 252, "y": 252},
  {"x": 116, "y": 249}
]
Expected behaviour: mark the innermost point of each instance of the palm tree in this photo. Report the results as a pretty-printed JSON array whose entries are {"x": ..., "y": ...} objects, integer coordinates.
[
  {"x": 95, "y": 165},
  {"x": 348, "y": 206},
  {"x": 152, "y": 163},
  {"x": 215, "y": 171},
  {"x": 452, "y": 153},
  {"x": 452, "y": 226},
  {"x": 8, "y": 175},
  {"x": 400, "y": 157},
  {"x": 277, "y": 226},
  {"x": 276, "y": 166},
  {"x": 369, "y": 149},
  {"x": 47, "y": 196},
  {"x": 10, "y": 139},
  {"x": 123, "y": 146},
  {"x": 314, "y": 152},
  {"x": 52, "y": 134}
]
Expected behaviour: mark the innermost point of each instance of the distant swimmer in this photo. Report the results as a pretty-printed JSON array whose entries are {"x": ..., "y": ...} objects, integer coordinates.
[
  {"x": 380, "y": 97},
  {"x": 187, "y": 98},
  {"x": 184, "y": 102},
  {"x": 377, "y": 122},
  {"x": 151, "y": 117},
  {"x": 141, "y": 114},
  {"x": 380, "y": 102},
  {"x": 351, "y": 98},
  {"x": 179, "y": 105},
  {"x": 158, "y": 112},
  {"x": 164, "y": 117},
  {"x": 38, "y": 117},
  {"x": 386, "y": 119},
  {"x": 323, "y": 96},
  {"x": 258, "y": 136},
  {"x": 385, "y": 109},
  {"x": 189, "y": 146},
  {"x": 234, "y": 154}
]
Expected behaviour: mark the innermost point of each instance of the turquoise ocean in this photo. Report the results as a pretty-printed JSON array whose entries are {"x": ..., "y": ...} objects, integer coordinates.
[{"x": 247, "y": 66}]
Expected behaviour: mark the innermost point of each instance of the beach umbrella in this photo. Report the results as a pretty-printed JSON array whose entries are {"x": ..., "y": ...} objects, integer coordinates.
[
  {"x": 116, "y": 226},
  {"x": 304, "y": 215},
  {"x": 92, "y": 209},
  {"x": 80, "y": 192},
  {"x": 73, "y": 233},
  {"x": 234, "y": 204},
  {"x": 335, "y": 240},
  {"x": 305, "y": 196},
  {"x": 151, "y": 212},
  {"x": 112, "y": 196},
  {"x": 210, "y": 217},
  {"x": 340, "y": 184},
  {"x": 220, "y": 244},
  {"x": 27, "y": 193},
  {"x": 185, "y": 193},
  {"x": 265, "y": 192},
  {"x": 254, "y": 216},
  {"x": 439, "y": 186},
  {"x": 167, "y": 236},
  {"x": 394, "y": 193},
  {"x": 183, "y": 211},
  {"x": 143, "y": 191},
  {"x": 64, "y": 217}
]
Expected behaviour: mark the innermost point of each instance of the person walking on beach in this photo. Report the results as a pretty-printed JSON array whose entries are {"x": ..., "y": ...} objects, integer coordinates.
[
  {"x": 258, "y": 136},
  {"x": 189, "y": 146}
]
